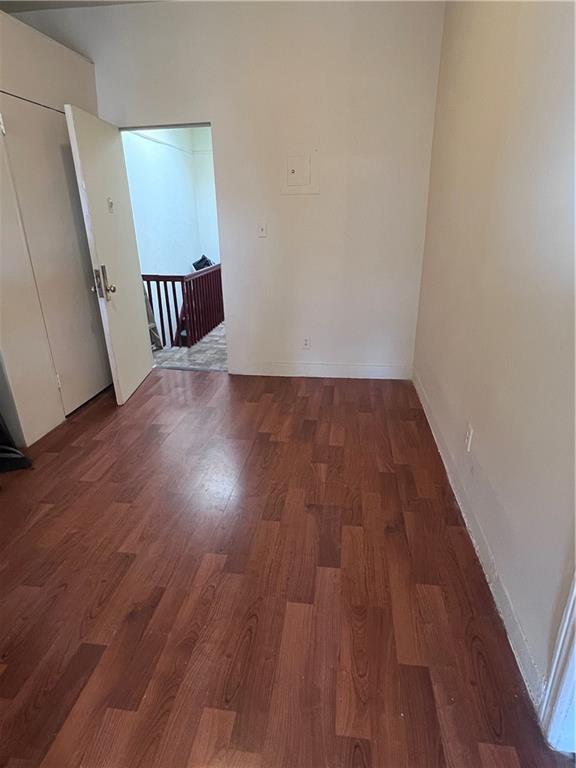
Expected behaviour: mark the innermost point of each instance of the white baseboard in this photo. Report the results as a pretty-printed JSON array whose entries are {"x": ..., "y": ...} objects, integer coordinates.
[
  {"x": 326, "y": 370},
  {"x": 533, "y": 678}
]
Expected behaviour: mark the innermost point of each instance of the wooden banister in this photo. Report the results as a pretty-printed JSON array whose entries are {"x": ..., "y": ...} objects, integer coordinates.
[{"x": 186, "y": 307}]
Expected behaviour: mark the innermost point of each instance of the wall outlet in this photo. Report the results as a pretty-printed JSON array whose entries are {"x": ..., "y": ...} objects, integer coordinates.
[
  {"x": 468, "y": 438},
  {"x": 307, "y": 343}
]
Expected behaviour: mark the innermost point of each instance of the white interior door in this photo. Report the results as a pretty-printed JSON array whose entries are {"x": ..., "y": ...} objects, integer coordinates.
[
  {"x": 103, "y": 184},
  {"x": 40, "y": 163}
]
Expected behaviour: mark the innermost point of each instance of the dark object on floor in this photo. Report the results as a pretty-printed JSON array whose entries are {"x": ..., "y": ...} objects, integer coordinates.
[
  {"x": 10, "y": 457},
  {"x": 202, "y": 263}
]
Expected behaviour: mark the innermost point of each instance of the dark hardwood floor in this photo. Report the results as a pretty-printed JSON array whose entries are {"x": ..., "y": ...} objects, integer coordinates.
[{"x": 243, "y": 572}]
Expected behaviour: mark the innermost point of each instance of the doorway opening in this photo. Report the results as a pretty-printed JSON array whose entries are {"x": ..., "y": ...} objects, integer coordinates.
[{"x": 173, "y": 195}]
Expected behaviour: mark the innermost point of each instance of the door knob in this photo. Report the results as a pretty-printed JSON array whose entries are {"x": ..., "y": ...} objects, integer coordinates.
[{"x": 111, "y": 288}]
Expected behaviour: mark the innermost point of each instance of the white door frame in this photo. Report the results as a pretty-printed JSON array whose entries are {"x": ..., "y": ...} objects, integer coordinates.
[{"x": 557, "y": 710}]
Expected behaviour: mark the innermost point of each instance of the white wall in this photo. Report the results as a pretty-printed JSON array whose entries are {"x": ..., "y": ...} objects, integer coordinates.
[
  {"x": 37, "y": 68},
  {"x": 173, "y": 198},
  {"x": 200, "y": 148},
  {"x": 163, "y": 203},
  {"x": 356, "y": 80},
  {"x": 495, "y": 341}
]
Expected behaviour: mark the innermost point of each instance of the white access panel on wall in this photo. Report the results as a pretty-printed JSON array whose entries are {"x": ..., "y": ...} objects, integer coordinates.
[
  {"x": 103, "y": 185},
  {"x": 301, "y": 172},
  {"x": 40, "y": 163}
]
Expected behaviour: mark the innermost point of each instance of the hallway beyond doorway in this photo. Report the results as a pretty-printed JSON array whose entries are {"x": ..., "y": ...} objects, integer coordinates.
[
  {"x": 173, "y": 194},
  {"x": 209, "y": 354}
]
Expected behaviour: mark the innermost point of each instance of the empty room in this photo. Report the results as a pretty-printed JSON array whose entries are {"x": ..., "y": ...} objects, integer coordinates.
[{"x": 337, "y": 529}]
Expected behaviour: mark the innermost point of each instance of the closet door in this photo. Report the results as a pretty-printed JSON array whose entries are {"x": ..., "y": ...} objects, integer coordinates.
[{"x": 41, "y": 165}]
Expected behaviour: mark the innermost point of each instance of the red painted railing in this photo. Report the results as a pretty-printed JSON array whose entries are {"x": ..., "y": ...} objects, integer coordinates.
[{"x": 186, "y": 307}]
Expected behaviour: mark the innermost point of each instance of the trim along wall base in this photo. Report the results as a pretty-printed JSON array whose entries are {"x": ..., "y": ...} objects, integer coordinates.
[
  {"x": 327, "y": 370},
  {"x": 533, "y": 679}
]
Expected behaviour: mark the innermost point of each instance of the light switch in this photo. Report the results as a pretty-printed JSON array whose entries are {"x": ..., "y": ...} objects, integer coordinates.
[
  {"x": 298, "y": 170},
  {"x": 262, "y": 230}
]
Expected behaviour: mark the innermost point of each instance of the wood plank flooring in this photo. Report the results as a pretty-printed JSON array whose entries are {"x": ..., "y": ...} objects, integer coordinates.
[{"x": 250, "y": 572}]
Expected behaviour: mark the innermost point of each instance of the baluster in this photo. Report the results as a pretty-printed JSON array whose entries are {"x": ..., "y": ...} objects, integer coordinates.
[
  {"x": 219, "y": 294},
  {"x": 195, "y": 308},
  {"x": 214, "y": 308},
  {"x": 220, "y": 297},
  {"x": 160, "y": 312},
  {"x": 216, "y": 313},
  {"x": 149, "y": 291},
  {"x": 176, "y": 339},
  {"x": 194, "y": 301},
  {"x": 190, "y": 300},
  {"x": 207, "y": 300},
  {"x": 168, "y": 312},
  {"x": 212, "y": 316},
  {"x": 186, "y": 305},
  {"x": 199, "y": 306},
  {"x": 204, "y": 307},
  {"x": 187, "y": 285},
  {"x": 211, "y": 301}
]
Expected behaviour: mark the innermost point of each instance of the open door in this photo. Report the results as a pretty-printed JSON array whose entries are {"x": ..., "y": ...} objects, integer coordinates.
[{"x": 103, "y": 185}]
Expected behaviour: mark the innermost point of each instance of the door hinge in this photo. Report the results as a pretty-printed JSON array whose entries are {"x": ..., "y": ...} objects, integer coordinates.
[
  {"x": 2, "y": 126},
  {"x": 59, "y": 381}
]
